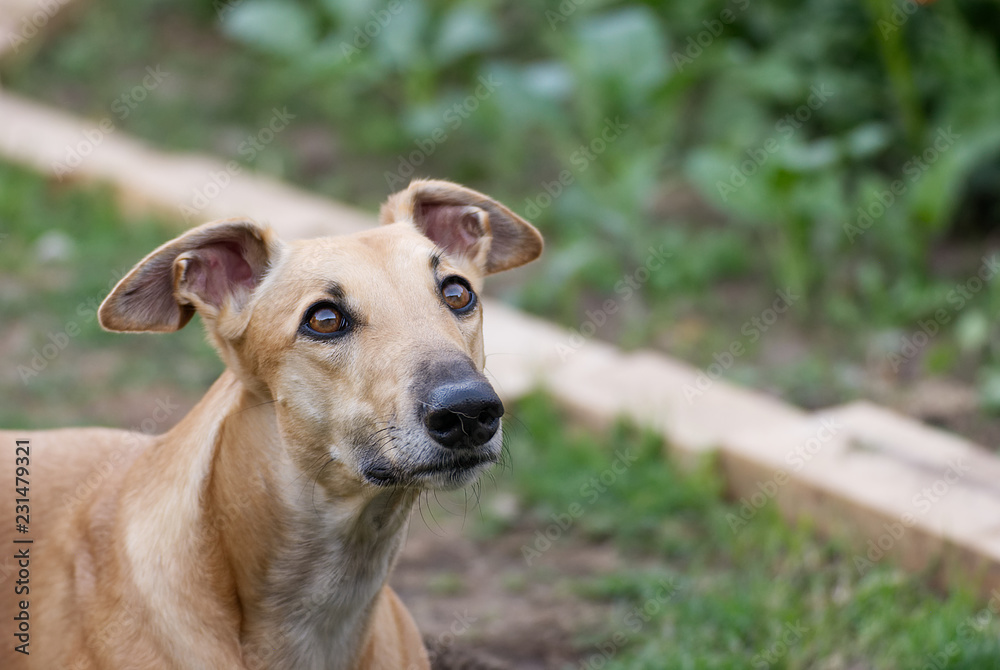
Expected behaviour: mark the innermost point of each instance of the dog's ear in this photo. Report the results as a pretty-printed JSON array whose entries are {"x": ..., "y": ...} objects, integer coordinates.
[
  {"x": 210, "y": 269},
  {"x": 466, "y": 223}
]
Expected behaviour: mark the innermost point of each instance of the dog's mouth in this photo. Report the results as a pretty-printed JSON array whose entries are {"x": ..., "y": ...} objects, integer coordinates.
[{"x": 448, "y": 470}]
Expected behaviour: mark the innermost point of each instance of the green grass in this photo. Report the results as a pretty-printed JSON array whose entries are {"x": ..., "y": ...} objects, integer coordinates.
[
  {"x": 732, "y": 600},
  {"x": 63, "y": 249}
]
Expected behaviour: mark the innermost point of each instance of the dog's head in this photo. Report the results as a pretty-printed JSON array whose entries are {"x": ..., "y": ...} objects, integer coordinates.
[{"x": 370, "y": 345}]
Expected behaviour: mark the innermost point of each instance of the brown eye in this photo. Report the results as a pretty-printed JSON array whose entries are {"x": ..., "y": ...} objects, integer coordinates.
[
  {"x": 326, "y": 320},
  {"x": 457, "y": 295}
]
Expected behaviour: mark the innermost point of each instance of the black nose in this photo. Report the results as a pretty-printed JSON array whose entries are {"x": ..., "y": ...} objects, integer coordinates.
[{"x": 463, "y": 414}]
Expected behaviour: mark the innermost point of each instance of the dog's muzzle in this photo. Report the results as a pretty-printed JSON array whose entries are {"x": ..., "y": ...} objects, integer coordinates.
[{"x": 455, "y": 434}]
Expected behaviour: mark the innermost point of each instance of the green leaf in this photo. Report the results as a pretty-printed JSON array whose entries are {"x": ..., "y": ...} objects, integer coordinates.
[
  {"x": 550, "y": 79},
  {"x": 353, "y": 12},
  {"x": 868, "y": 139},
  {"x": 989, "y": 389},
  {"x": 281, "y": 28},
  {"x": 625, "y": 47},
  {"x": 972, "y": 331},
  {"x": 810, "y": 157},
  {"x": 466, "y": 29},
  {"x": 401, "y": 39}
]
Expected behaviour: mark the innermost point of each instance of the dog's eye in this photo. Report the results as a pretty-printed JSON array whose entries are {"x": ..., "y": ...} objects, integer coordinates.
[
  {"x": 326, "y": 319},
  {"x": 457, "y": 294}
]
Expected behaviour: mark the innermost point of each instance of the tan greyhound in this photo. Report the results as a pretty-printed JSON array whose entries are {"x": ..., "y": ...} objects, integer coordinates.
[{"x": 259, "y": 532}]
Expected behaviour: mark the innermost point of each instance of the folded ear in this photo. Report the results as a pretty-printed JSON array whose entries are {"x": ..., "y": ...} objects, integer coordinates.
[
  {"x": 466, "y": 223},
  {"x": 210, "y": 269}
]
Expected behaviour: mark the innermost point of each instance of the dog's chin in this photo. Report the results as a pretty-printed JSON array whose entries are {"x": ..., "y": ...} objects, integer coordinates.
[{"x": 442, "y": 470}]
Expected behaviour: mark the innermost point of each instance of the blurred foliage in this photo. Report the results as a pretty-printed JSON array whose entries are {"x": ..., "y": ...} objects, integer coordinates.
[
  {"x": 62, "y": 249},
  {"x": 827, "y": 147},
  {"x": 694, "y": 589}
]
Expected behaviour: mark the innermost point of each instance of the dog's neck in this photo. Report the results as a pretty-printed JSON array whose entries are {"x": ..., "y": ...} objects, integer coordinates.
[{"x": 306, "y": 565}]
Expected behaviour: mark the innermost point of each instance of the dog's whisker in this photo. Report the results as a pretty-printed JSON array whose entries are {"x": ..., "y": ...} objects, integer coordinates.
[
  {"x": 420, "y": 507},
  {"x": 315, "y": 481},
  {"x": 247, "y": 409},
  {"x": 465, "y": 507}
]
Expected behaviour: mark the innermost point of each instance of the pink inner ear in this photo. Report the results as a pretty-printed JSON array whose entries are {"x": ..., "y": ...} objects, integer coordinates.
[
  {"x": 217, "y": 270},
  {"x": 454, "y": 228}
]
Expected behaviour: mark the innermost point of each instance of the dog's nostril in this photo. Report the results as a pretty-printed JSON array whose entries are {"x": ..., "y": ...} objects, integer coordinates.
[{"x": 443, "y": 420}]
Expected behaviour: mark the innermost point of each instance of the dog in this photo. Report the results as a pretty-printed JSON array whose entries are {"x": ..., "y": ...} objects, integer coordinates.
[{"x": 259, "y": 532}]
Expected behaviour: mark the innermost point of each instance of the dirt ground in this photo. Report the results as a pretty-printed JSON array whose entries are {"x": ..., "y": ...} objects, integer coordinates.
[{"x": 480, "y": 598}]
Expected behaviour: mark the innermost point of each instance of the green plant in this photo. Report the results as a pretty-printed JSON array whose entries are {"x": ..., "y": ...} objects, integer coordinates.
[
  {"x": 61, "y": 251},
  {"x": 692, "y": 593},
  {"x": 782, "y": 129}
]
